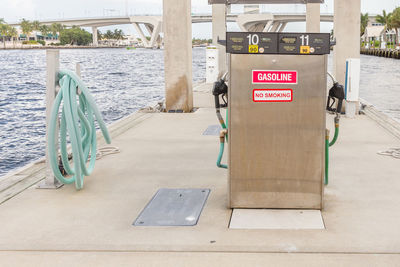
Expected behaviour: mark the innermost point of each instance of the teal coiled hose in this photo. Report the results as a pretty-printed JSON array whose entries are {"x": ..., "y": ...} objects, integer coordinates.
[{"x": 78, "y": 122}]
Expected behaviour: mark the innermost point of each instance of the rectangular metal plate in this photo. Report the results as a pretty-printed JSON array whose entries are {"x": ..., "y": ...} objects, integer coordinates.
[
  {"x": 173, "y": 207},
  {"x": 276, "y": 219},
  {"x": 304, "y": 43},
  {"x": 257, "y": 43},
  {"x": 284, "y": 150},
  {"x": 213, "y": 130},
  {"x": 242, "y": 43}
]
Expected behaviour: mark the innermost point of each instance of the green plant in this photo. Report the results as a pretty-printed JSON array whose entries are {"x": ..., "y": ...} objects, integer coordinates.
[
  {"x": 44, "y": 29},
  {"x": 56, "y": 28},
  {"x": 384, "y": 19},
  {"x": 364, "y": 23},
  {"x": 7, "y": 31},
  {"x": 26, "y": 27},
  {"x": 75, "y": 36},
  {"x": 41, "y": 42},
  {"x": 394, "y": 22},
  {"x": 30, "y": 42},
  {"x": 35, "y": 25},
  {"x": 377, "y": 43}
]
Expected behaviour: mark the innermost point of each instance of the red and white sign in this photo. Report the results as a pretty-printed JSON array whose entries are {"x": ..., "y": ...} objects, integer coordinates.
[
  {"x": 272, "y": 95},
  {"x": 274, "y": 77}
]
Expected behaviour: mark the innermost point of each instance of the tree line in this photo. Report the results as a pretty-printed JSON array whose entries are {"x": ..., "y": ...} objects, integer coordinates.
[
  {"x": 73, "y": 35},
  {"x": 388, "y": 20}
]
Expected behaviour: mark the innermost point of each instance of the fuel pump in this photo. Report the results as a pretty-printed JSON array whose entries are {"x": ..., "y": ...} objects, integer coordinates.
[{"x": 277, "y": 118}]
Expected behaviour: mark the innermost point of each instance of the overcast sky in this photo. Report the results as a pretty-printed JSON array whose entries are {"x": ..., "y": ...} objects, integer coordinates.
[{"x": 14, "y": 10}]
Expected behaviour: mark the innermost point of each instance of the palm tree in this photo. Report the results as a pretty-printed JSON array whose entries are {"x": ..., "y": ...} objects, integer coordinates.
[
  {"x": 56, "y": 28},
  {"x": 99, "y": 35},
  {"x": 394, "y": 22},
  {"x": 13, "y": 33},
  {"x": 364, "y": 23},
  {"x": 108, "y": 35},
  {"x": 4, "y": 32},
  {"x": 36, "y": 27},
  {"x": 118, "y": 34},
  {"x": 45, "y": 30},
  {"x": 383, "y": 19},
  {"x": 26, "y": 27}
]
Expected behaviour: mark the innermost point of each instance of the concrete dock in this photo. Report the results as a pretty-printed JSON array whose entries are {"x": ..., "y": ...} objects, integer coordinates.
[{"x": 93, "y": 227}]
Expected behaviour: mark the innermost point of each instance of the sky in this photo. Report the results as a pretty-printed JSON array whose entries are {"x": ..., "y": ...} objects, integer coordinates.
[{"x": 14, "y": 10}]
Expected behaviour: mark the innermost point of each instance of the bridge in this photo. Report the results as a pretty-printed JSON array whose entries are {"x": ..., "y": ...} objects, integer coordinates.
[{"x": 266, "y": 22}]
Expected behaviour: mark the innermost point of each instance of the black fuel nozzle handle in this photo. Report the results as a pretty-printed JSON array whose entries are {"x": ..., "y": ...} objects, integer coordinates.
[
  {"x": 219, "y": 88},
  {"x": 216, "y": 99},
  {"x": 336, "y": 92},
  {"x": 339, "y": 106}
]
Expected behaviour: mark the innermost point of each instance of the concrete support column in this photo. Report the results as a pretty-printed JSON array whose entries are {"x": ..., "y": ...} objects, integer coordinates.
[
  {"x": 155, "y": 34},
  {"x": 141, "y": 34},
  {"x": 347, "y": 34},
  {"x": 267, "y": 26},
  {"x": 282, "y": 27},
  {"x": 178, "y": 54},
  {"x": 149, "y": 28},
  {"x": 94, "y": 34},
  {"x": 275, "y": 26},
  {"x": 313, "y": 17},
  {"x": 219, "y": 31}
]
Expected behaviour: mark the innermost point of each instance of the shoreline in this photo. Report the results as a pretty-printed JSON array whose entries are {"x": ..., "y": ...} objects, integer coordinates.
[{"x": 62, "y": 47}]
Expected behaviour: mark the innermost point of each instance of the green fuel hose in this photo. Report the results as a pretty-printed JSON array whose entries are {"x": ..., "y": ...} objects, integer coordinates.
[
  {"x": 222, "y": 137},
  {"x": 326, "y": 158},
  {"x": 329, "y": 144},
  {"x": 221, "y": 153},
  {"x": 335, "y": 137},
  {"x": 78, "y": 122}
]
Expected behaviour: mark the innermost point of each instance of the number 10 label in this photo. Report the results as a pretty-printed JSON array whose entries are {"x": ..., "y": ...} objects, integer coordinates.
[{"x": 253, "y": 43}]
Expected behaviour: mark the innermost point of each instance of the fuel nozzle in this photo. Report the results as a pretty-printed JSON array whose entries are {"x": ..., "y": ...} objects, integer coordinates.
[
  {"x": 220, "y": 88},
  {"x": 335, "y": 93}
]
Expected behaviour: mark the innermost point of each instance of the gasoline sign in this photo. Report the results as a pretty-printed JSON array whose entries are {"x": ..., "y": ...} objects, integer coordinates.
[{"x": 274, "y": 77}]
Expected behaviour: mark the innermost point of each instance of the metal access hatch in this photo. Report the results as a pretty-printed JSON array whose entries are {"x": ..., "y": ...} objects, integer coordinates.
[{"x": 173, "y": 207}]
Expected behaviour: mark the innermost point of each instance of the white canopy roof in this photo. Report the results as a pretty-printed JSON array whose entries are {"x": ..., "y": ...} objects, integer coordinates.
[{"x": 374, "y": 31}]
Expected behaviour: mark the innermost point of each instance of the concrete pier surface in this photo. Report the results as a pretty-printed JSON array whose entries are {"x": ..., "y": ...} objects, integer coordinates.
[{"x": 93, "y": 227}]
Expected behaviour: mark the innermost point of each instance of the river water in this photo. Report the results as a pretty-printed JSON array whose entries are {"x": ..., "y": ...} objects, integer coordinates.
[{"x": 122, "y": 81}]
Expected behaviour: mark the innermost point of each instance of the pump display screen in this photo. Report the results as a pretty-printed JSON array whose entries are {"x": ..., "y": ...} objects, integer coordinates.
[{"x": 277, "y": 43}]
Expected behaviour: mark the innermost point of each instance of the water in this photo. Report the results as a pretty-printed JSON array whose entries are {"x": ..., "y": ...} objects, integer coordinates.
[{"x": 122, "y": 81}]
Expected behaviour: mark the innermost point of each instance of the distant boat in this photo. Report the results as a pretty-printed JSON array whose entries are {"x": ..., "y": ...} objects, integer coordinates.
[{"x": 130, "y": 47}]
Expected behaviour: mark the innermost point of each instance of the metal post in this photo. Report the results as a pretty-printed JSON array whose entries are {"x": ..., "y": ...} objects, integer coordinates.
[
  {"x": 78, "y": 69},
  {"x": 53, "y": 65}
]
